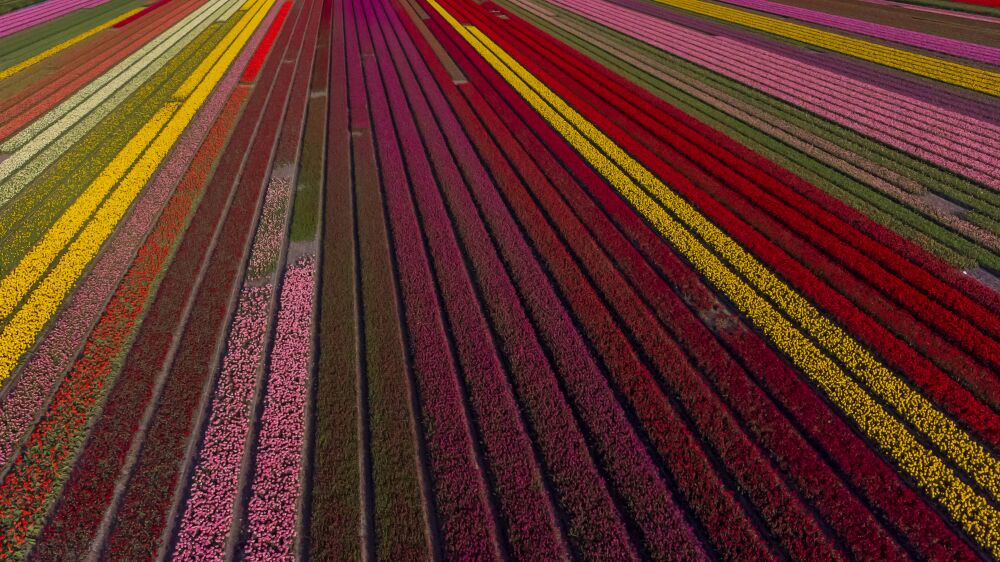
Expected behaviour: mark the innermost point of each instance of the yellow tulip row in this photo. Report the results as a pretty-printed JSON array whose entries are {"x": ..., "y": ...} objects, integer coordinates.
[
  {"x": 968, "y": 507},
  {"x": 34, "y": 264},
  {"x": 946, "y": 71},
  {"x": 14, "y": 69},
  {"x": 19, "y": 334}
]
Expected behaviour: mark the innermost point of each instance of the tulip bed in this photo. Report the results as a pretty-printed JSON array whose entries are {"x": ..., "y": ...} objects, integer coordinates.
[{"x": 497, "y": 280}]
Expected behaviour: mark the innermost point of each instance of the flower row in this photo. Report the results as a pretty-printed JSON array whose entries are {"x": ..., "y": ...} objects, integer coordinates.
[
  {"x": 205, "y": 525},
  {"x": 262, "y": 50},
  {"x": 272, "y": 514},
  {"x": 270, "y": 235}
]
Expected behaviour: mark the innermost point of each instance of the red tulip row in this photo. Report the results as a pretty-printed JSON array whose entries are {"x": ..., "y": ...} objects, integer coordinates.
[
  {"x": 803, "y": 465},
  {"x": 939, "y": 386},
  {"x": 260, "y": 55}
]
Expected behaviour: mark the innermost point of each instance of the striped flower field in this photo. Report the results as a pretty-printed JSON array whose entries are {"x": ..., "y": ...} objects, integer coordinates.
[{"x": 499, "y": 280}]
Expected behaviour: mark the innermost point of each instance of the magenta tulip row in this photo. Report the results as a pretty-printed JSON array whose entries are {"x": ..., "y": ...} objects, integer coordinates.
[
  {"x": 55, "y": 353},
  {"x": 38, "y": 14},
  {"x": 927, "y": 41},
  {"x": 272, "y": 515},
  {"x": 961, "y": 144}
]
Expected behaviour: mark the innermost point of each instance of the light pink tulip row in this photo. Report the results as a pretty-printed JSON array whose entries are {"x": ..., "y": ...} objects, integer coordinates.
[
  {"x": 959, "y": 143},
  {"x": 273, "y": 509},
  {"x": 207, "y": 519},
  {"x": 270, "y": 234},
  {"x": 54, "y": 355}
]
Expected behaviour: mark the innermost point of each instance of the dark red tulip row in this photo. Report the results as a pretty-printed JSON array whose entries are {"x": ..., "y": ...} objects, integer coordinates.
[
  {"x": 145, "y": 11},
  {"x": 393, "y": 500},
  {"x": 335, "y": 509}
]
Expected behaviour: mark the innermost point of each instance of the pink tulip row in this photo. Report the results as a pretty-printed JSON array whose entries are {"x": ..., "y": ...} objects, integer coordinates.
[
  {"x": 38, "y": 14},
  {"x": 270, "y": 234},
  {"x": 55, "y": 353},
  {"x": 927, "y": 41},
  {"x": 273, "y": 510},
  {"x": 204, "y": 528},
  {"x": 959, "y": 143}
]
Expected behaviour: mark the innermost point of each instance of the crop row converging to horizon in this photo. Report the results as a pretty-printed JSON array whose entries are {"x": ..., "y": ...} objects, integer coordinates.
[{"x": 501, "y": 279}]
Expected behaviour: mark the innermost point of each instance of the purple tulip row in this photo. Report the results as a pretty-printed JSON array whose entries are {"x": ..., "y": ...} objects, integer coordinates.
[
  {"x": 927, "y": 41},
  {"x": 273, "y": 509},
  {"x": 960, "y": 143},
  {"x": 38, "y": 14},
  {"x": 270, "y": 234},
  {"x": 204, "y": 528},
  {"x": 57, "y": 350}
]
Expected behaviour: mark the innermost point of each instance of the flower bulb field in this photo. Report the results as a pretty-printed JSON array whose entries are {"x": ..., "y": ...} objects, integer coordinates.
[{"x": 526, "y": 280}]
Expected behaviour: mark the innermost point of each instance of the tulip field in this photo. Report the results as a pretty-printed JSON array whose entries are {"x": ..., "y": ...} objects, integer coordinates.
[{"x": 499, "y": 280}]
